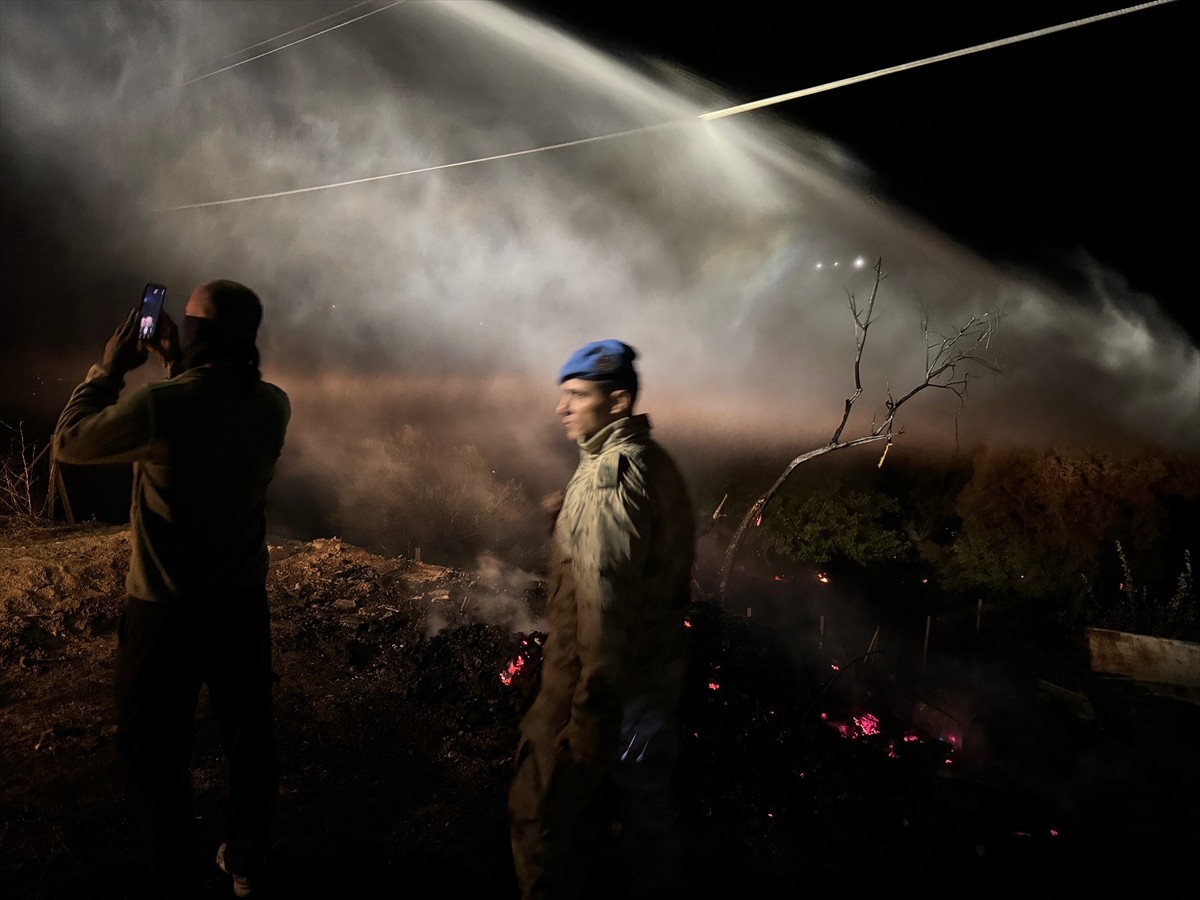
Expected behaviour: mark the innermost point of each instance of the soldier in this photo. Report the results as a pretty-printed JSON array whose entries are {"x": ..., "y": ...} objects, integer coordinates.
[{"x": 605, "y": 721}]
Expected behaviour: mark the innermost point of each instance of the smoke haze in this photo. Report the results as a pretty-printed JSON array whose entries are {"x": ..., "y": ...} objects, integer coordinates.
[{"x": 444, "y": 301}]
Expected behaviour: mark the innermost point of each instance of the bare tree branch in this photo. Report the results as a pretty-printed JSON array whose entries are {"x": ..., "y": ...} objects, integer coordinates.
[
  {"x": 948, "y": 360},
  {"x": 20, "y": 494}
]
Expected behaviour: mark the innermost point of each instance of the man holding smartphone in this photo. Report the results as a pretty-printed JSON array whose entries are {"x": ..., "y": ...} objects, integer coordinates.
[{"x": 204, "y": 444}]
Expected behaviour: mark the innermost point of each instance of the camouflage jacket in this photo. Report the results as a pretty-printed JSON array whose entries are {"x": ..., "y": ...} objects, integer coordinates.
[{"x": 620, "y": 579}]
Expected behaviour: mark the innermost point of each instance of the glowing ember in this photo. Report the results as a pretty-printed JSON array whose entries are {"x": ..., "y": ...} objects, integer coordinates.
[
  {"x": 867, "y": 723},
  {"x": 713, "y": 686},
  {"x": 845, "y": 729},
  {"x": 512, "y": 669},
  {"x": 518, "y": 662}
]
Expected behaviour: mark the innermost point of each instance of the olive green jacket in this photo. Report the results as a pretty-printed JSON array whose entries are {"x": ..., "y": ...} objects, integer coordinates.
[
  {"x": 204, "y": 447},
  {"x": 619, "y": 585}
]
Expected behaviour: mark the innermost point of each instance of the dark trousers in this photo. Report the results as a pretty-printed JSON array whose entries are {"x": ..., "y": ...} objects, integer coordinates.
[
  {"x": 603, "y": 830},
  {"x": 166, "y": 651}
]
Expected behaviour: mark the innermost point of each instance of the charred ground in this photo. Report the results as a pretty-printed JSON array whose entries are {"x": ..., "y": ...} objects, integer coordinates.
[{"x": 1009, "y": 767}]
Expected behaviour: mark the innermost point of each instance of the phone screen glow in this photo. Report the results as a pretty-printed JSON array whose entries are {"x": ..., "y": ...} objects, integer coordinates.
[{"x": 152, "y": 302}]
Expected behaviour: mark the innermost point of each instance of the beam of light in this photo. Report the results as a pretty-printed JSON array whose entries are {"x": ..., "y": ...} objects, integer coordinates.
[
  {"x": 243, "y": 62},
  {"x": 706, "y": 117},
  {"x": 904, "y": 67}
]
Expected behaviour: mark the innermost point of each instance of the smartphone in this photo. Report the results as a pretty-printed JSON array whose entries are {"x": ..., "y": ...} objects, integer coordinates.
[{"x": 150, "y": 309}]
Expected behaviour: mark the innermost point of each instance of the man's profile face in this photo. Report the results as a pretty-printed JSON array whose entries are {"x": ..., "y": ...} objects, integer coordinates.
[{"x": 586, "y": 406}]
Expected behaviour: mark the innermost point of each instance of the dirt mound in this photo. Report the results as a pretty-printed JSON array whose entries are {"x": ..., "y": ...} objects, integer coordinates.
[{"x": 400, "y": 687}]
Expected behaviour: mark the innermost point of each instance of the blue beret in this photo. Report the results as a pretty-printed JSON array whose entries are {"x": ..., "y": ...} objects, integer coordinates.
[{"x": 609, "y": 360}]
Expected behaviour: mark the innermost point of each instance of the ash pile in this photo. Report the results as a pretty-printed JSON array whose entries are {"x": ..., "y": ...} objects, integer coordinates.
[{"x": 799, "y": 767}]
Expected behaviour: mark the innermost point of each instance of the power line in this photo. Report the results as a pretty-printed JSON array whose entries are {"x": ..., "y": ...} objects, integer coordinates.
[
  {"x": 440, "y": 166},
  {"x": 277, "y": 49},
  {"x": 340, "y": 12},
  {"x": 706, "y": 117}
]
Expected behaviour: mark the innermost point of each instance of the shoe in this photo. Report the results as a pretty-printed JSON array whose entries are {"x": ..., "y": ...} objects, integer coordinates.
[{"x": 243, "y": 885}]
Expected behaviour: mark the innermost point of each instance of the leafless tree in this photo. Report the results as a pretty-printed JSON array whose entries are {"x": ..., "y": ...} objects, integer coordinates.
[
  {"x": 948, "y": 361},
  {"x": 20, "y": 492}
]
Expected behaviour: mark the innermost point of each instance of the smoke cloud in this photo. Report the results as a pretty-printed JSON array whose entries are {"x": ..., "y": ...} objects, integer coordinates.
[{"x": 444, "y": 301}]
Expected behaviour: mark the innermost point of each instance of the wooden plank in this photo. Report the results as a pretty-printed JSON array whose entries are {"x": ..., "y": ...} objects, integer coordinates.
[{"x": 1144, "y": 658}]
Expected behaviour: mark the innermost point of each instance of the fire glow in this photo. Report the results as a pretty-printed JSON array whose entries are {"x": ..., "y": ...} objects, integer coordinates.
[
  {"x": 867, "y": 725},
  {"x": 858, "y": 726},
  {"x": 518, "y": 662},
  {"x": 513, "y": 668}
]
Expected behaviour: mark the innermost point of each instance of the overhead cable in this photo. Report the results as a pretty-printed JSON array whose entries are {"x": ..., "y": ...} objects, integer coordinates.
[{"x": 706, "y": 117}]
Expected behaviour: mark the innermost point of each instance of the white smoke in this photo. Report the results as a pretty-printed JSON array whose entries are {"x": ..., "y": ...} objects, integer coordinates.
[{"x": 722, "y": 250}]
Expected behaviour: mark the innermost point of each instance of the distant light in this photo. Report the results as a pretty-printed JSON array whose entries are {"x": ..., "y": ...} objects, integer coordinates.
[
  {"x": 820, "y": 265},
  {"x": 836, "y": 264},
  {"x": 859, "y": 263}
]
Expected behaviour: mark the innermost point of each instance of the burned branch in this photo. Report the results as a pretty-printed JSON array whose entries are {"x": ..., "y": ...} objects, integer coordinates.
[{"x": 948, "y": 359}]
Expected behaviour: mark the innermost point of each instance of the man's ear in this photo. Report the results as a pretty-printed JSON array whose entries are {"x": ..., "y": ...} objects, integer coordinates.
[{"x": 620, "y": 402}]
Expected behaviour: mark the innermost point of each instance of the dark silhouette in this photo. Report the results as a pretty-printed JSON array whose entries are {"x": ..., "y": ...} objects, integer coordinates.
[{"x": 204, "y": 444}]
